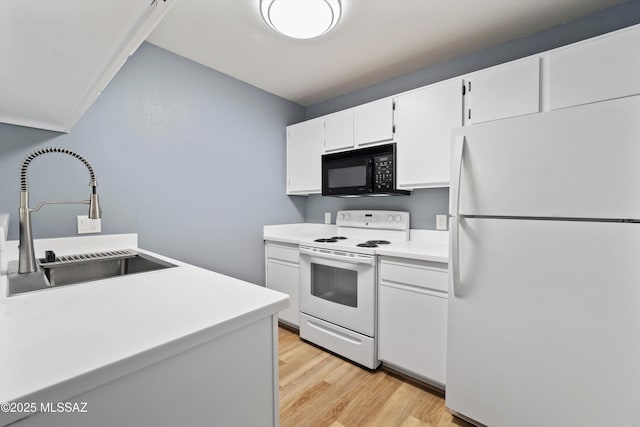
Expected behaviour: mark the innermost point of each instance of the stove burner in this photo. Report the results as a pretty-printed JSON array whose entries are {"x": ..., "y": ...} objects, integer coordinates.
[
  {"x": 378, "y": 242},
  {"x": 367, "y": 245},
  {"x": 339, "y": 237},
  {"x": 329, "y": 240}
]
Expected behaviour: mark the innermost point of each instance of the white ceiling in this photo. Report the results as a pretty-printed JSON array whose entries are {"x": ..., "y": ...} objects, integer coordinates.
[{"x": 375, "y": 39}]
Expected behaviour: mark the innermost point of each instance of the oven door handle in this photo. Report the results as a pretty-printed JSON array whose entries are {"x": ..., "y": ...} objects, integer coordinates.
[{"x": 351, "y": 258}]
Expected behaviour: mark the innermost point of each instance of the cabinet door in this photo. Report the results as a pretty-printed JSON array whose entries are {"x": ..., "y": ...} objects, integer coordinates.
[
  {"x": 304, "y": 148},
  {"x": 412, "y": 330},
  {"x": 338, "y": 131},
  {"x": 424, "y": 120},
  {"x": 504, "y": 91},
  {"x": 373, "y": 122},
  {"x": 596, "y": 70},
  {"x": 283, "y": 277}
]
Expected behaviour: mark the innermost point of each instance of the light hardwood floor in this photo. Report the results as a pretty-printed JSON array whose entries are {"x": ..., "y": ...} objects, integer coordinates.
[{"x": 318, "y": 389}]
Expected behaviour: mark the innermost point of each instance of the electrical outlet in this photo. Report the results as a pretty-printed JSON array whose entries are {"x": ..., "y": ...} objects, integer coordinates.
[
  {"x": 87, "y": 225},
  {"x": 441, "y": 222},
  {"x": 327, "y": 217}
]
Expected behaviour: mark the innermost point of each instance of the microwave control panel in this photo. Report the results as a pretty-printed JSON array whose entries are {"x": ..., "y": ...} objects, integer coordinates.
[{"x": 383, "y": 173}]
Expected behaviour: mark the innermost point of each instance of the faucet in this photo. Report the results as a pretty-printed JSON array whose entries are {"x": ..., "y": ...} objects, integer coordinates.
[{"x": 27, "y": 259}]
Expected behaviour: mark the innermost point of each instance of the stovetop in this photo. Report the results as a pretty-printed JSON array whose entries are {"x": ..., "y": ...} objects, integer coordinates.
[
  {"x": 364, "y": 231},
  {"x": 365, "y": 244}
]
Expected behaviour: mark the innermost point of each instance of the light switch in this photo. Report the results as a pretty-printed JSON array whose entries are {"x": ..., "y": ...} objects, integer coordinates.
[
  {"x": 327, "y": 217},
  {"x": 441, "y": 222}
]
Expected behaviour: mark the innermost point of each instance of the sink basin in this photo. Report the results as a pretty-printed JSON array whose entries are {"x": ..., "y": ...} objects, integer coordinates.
[{"x": 81, "y": 268}]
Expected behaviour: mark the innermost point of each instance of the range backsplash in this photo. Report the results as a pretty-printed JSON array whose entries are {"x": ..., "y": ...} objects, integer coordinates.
[{"x": 423, "y": 204}]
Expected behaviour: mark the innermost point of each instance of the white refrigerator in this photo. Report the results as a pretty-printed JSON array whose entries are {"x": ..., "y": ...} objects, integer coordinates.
[{"x": 544, "y": 301}]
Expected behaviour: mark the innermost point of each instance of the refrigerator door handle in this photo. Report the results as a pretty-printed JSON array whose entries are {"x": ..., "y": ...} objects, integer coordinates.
[
  {"x": 454, "y": 255},
  {"x": 456, "y": 173},
  {"x": 454, "y": 258}
]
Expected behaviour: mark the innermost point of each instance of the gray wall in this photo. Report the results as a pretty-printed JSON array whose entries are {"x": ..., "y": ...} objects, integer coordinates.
[
  {"x": 189, "y": 158},
  {"x": 425, "y": 204}
]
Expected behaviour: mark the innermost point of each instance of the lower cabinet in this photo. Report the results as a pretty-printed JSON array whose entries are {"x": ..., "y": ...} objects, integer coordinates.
[
  {"x": 282, "y": 270},
  {"x": 412, "y": 317}
]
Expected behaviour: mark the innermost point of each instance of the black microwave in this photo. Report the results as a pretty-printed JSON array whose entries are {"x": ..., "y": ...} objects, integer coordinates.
[{"x": 365, "y": 171}]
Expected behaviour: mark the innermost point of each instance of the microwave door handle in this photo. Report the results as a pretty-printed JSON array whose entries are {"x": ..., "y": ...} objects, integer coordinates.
[{"x": 370, "y": 173}]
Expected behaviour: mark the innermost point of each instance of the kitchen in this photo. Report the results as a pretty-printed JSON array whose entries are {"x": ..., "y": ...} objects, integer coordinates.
[{"x": 153, "y": 137}]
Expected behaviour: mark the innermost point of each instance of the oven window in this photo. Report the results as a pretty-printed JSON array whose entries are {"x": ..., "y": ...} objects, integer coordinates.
[
  {"x": 335, "y": 284},
  {"x": 352, "y": 176}
]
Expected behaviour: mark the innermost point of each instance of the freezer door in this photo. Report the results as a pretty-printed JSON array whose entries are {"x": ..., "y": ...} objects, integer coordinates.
[
  {"x": 578, "y": 162},
  {"x": 545, "y": 330}
]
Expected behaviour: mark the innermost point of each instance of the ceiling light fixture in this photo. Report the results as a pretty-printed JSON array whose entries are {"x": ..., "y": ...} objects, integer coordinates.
[{"x": 301, "y": 19}]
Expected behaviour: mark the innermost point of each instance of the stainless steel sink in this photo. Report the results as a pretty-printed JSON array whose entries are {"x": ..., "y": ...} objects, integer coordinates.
[{"x": 80, "y": 268}]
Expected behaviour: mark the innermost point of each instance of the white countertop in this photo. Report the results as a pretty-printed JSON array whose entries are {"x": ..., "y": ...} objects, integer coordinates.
[
  {"x": 425, "y": 245},
  {"x": 297, "y": 233},
  {"x": 59, "y": 342}
]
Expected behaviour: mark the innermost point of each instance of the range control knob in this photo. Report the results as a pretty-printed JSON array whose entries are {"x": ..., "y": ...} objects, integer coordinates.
[
  {"x": 341, "y": 216},
  {"x": 398, "y": 218},
  {"x": 390, "y": 218},
  {"x": 348, "y": 217}
]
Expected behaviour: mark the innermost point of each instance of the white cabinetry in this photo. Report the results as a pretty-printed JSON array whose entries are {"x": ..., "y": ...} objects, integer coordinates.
[
  {"x": 596, "y": 70},
  {"x": 373, "y": 122},
  {"x": 508, "y": 90},
  {"x": 424, "y": 119},
  {"x": 238, "y": 367},
  {"x": 338, "y": 131},
  {"x": 412, "y": 317},
  {"x": 364, "y": 125},
  {"x": 282, "y": 264},
  {"x": 304, "y": 148}
]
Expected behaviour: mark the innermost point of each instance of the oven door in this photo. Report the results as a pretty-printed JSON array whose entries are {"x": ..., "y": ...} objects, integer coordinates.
[
  {"x": 346, "y": 176},
  {"x": 339, "y": 288}
]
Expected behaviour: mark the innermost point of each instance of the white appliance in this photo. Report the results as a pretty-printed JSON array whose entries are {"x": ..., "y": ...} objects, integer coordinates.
[
  {"x": 338, "y": 283},
  {"x": 544, "y": 301}
]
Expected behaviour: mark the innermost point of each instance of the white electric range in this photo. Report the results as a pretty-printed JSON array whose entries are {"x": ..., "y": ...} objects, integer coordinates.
[{"x": 338, "y": 276}]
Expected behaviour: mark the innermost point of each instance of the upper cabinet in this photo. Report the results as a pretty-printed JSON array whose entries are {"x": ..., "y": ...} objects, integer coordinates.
[
  {"x": 596, "y": 70},
  {"x": 373, "y": 122},
  {"x": 56, "y": 57},
  {"x": 420, "y": 121},
  {"x": 508, "y": 90},
  {"x": 304, "y": 151},
  {"x": 361, "y": 126},
  {"x": 338, "y": 131},
  {"x": 424, "y": 119}
]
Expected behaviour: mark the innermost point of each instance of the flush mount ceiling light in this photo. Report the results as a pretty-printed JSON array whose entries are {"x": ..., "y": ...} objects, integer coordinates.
[{"x": 301, "y": 19}]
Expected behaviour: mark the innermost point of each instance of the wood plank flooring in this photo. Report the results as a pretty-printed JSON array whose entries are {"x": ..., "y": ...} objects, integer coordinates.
[{"x": 318, "y": 389}]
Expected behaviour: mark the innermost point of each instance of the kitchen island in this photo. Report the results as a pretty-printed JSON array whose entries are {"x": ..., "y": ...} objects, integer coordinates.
[{"x": 178, "y": 346}]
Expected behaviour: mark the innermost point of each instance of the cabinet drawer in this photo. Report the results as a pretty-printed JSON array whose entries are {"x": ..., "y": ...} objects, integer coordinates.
[
  {"x": 421, "y": 274},
  {"x": 282, "y": 252}
]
